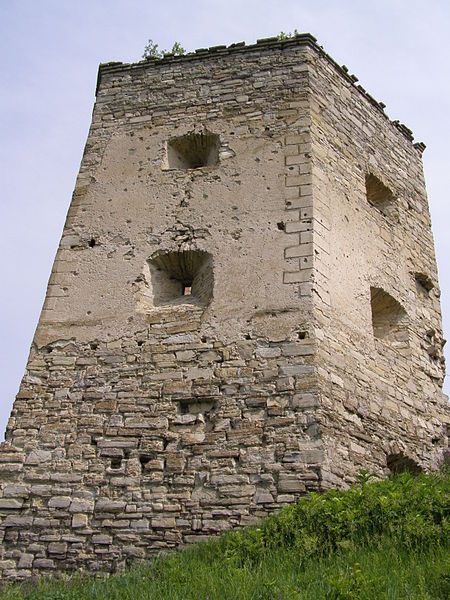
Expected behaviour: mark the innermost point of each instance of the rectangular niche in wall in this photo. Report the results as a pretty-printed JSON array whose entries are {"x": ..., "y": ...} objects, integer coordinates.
[
  {"x": 193, "y": 150},
  {"x": 389, "y": 318},
  {"x": 379, "y": 195},
  {"x": 424, "y": 283},
  {"x": 181, "y": 277}
]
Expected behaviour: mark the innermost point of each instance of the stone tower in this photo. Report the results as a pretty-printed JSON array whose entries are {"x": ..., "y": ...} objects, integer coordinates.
[{"x": 244, "y": 306}]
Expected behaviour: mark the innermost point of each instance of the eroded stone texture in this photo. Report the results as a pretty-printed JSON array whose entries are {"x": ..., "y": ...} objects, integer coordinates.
[
  {"x": 206, "y": 352},
  {"x": 381, "y": 365}
]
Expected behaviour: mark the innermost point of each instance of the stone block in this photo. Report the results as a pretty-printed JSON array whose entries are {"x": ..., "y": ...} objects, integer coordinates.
[
  {"x": 16, "y": 521},
  {"x": 297, "y": 349},
  {"x": 299, "y": 251},
  {"x": 59, "y": 548},
  {"x": 79, "y": 521},
  {"x": 37, "y": 457},
  {"x": 304, "y": 401},
  {"x": 59, "y": 502},
  {"x": 81, "y": 505},
  {"x": 268, "y": 352},
  {"x": 263, "y": 497},
  {"x": 102, "y": 539},
  {"x": 163, "y": 522},
  {"x": 290, "y": 485},
  {"x": 215, "y": 525},
  {"x": 297, "y": 276},
  {"x": 297, "y": 370},
  {"x": 25, "y": 561},
  {"x": 43, "y": 563},
  {"x": 10, "y": 503}
]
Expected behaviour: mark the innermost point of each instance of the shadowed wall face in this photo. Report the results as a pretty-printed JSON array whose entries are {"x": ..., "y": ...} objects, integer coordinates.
[{"x": 381, "y": 356}]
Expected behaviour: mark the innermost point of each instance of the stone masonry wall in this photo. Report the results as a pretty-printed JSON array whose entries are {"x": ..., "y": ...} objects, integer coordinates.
[
  {"x": 130, "y": 446},
  {"x": 138, "y": 426},
  {"x": 205, "y": 353},
  {"x": 381, "y": 399}
]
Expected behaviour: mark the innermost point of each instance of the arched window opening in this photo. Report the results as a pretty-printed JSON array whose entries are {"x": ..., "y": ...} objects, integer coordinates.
[
  {"x": 181, "y": 277},
  {"x": 193, "y": 151},
  {"x": 399, "y": 463},
  {"x": 389, "y": 318},
  {"x": 379, "y": 195}
]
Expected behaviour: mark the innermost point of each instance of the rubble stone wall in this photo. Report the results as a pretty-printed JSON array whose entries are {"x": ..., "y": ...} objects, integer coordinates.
[
  {"x": 140, "y": 426},
  {"x": 205, "y": 353},
  {"x": 381, "y": 398}
]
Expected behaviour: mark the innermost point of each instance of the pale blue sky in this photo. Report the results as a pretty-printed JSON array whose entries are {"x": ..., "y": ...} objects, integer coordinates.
[{"x": 399, "y": 49}]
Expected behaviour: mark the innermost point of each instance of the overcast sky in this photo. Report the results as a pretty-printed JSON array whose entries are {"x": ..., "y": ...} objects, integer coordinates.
[{"x": 399, "y": 49}]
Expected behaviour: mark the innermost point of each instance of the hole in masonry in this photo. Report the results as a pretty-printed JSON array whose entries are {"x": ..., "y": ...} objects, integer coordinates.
[
  {"x": 430, "y": 334},
  {"x": 193, "y": 151},
  {"x": 302, "y": 335},
  {"x": 281, "y": 226},
  {"x": 184, "y": 408},
  {"x": 116, "y": 463},
  {"x": 423, "y": 282},
  {"x": 399, "y": 463},
  {"x": 181, "y": 277},
  {"x": 92, "y": 243},
  {"x": 144, "y": 459},
  {"x": 93, "y": 345},
  {"x": 198, "y": 407},
  {"x": 379, "y": 195},
  {"x": 389, "y": 318}
]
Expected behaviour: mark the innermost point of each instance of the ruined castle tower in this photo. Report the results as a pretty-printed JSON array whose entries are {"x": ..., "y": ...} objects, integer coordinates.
[{"x": 244, "y": 306}]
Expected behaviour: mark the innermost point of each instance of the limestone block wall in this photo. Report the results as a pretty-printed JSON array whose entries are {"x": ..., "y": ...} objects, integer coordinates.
[
  {"x": 380, "y": 381},
  {"x": 233, "y": 318},
  {"x": 171, "y": 390}
]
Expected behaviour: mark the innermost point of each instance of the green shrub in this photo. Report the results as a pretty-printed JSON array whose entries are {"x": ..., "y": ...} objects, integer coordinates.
[
  {"x": 413, "y": 509},
  {"x": 376, "y": 540}
]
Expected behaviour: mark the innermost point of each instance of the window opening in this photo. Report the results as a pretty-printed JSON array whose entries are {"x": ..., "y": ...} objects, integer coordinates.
[
  {"x": 389, "y": 318},
  {"x": 193, "y": 151},
  {"x": 423, "y": 282},
  {"x": 379, "y": 195},
  {"x": 181, "y": 277},
  {"x": 399, "y": 463}
]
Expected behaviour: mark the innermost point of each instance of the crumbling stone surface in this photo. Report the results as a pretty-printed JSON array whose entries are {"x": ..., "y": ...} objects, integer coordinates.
[{"x": 206, "y": 352}]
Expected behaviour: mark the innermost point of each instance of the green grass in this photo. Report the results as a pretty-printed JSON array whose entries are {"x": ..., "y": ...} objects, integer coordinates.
[{"x": 377, "y": 540}]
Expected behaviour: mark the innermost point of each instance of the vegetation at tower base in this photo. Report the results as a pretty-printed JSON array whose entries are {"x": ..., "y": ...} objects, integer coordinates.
[{"x": 386, "y": 539}]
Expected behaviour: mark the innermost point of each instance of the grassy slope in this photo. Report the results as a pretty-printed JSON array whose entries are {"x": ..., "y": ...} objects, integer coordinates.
[{"x": 377, "y": 540}]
